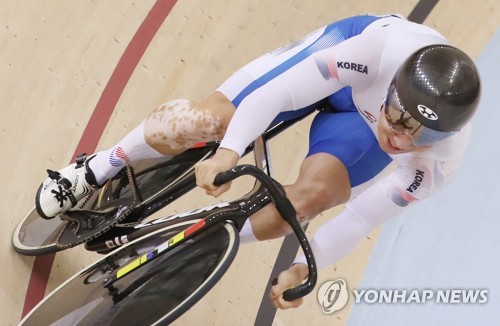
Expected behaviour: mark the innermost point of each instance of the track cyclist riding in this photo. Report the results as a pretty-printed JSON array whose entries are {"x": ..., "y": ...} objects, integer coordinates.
[{"x": 396, "y": 92}]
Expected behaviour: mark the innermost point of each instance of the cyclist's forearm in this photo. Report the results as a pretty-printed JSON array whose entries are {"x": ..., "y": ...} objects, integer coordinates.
[{"x": 339, "y": 236}]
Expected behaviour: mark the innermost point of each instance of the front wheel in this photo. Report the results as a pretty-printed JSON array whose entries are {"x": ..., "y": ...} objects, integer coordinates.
[
  {"x": 37, "y": 236},
  {"x": 155, "y": 293}
]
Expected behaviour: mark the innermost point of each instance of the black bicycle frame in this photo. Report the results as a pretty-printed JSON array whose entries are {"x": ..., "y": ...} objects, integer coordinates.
[
  {"x": 235, "y": 212},
  {"x": 120, "y": 234},
  {"x": 187, "y": 183}
]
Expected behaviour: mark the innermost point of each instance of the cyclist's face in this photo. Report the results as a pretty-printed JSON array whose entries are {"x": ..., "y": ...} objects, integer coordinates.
[
  {"x": 398, "y": 131},
  {"x": 391, "y": 139},
  {"x": 403, "y": 127}
]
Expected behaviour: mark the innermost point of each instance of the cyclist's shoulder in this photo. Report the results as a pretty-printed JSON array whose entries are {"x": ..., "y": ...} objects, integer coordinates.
[
  {"x": 421, "y": 174},
  {"x": 451, "y": 149},
  {"x": 434, "y": 167},
  {"x": 356, "y": 24}
]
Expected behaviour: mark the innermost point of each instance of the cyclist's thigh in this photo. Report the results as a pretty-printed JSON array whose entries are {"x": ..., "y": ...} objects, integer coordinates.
[{"x": 346, "y": 136}]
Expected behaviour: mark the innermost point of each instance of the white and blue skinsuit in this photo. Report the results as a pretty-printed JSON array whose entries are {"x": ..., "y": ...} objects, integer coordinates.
[{"x": 350, "y": 63}]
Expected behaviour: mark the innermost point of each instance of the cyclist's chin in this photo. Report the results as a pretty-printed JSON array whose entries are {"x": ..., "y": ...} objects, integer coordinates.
[{"x": 389, "y": 147}]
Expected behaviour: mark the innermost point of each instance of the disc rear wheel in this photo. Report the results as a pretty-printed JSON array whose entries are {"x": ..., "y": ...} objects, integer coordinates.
[{"x": 157, "y": 292}]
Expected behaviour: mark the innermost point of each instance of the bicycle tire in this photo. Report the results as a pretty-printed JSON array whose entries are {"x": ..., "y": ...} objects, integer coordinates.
[
  {"x": 36, "y": 236},
  {"x": 156, "y": 293}
]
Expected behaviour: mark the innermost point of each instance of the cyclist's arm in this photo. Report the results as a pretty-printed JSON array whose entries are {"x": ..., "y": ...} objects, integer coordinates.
[
  {"x": 387, "y": 198},
  {"x": 299, "y": 87},
  {"x": 308, "y": 81}
]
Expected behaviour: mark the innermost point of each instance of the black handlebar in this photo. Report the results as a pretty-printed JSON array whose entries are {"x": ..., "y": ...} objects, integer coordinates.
[{"x": 288, "y": 213}]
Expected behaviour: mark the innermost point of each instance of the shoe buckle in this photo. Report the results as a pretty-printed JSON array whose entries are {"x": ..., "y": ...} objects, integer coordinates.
[
  {"x": 80, "y": 159},
  {"x": 65, "y": 183},
  {"x": 54, "y": 175}
]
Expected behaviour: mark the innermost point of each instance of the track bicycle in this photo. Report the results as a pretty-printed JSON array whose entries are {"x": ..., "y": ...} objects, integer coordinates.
[
  {"x": 129, "y": 198},
  {"x": 156, "y": 278}
]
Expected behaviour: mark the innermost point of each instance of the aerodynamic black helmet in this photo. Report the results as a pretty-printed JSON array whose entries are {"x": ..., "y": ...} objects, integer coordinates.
[{"x": 439, "y": 85}]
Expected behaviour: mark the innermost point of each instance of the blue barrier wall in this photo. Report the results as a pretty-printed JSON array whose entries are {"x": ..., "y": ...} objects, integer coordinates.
[{"x": 452, "y": 240}]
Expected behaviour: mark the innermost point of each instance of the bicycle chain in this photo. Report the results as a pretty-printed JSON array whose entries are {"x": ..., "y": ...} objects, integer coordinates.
[{"x": 134, "y": 204}]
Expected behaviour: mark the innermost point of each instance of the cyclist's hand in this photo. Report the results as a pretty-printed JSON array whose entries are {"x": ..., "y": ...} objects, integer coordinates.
[
  {"x": 288, "y": 279},
  {"x": 206, "y": 171}
]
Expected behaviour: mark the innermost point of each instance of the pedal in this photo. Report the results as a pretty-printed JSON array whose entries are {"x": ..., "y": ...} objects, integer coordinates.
[
  {"x": 83, "y": 221},
  {"x": 85, "y": 225}
]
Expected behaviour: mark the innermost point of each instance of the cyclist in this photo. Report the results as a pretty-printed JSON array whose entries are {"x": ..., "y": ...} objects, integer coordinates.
[{"x": 397, "y": 92}]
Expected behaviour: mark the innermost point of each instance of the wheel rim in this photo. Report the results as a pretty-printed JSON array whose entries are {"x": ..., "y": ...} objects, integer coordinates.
[{"x": 35, "y": 235}]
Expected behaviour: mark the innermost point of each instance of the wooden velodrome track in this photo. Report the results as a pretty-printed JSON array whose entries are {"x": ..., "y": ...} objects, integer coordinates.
[{"x": 78, "y": 75}]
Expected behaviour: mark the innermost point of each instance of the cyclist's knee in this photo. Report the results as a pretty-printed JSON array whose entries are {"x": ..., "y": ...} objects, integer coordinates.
[
  {"x": 179, "y": 124},
  {"x": 218, "y": 105},
  {"x": 312, "y": 199},
  {"x": 319, "y": 187}
]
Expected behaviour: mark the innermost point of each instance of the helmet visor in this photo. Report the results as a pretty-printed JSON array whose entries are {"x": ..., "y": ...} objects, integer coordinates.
[{"x": 402, "y": 122}]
